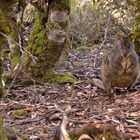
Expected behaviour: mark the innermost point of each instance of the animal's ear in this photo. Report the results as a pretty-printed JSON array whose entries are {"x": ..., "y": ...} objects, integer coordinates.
[
  {"x": 131, "y": 37},
  {"x": 120, "y": 36}
]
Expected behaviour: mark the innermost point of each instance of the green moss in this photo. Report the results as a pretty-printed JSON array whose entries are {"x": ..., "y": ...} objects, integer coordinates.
[
  {"x": 14, "y": 58},
  {"x": 54, "y": 77},
  {"x": 37, "y": 46},
  {"x": 38, "y": 38},
  {"x": 2, "y": 133},
  {"x": 20, "y": 112}
]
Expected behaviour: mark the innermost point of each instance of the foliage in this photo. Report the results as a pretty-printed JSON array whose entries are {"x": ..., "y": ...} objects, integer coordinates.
[{"x": 94, "y": 22}]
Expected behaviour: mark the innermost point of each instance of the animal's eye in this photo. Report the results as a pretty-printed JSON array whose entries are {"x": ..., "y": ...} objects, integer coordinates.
[{"x": 128, "y": 46}]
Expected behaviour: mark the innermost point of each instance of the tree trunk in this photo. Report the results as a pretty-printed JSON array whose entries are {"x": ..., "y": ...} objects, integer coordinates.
[
  {"x": 48, "y": 40},
  {"x": 6, "y": 8},
  {"x": 5, "y": 30}
]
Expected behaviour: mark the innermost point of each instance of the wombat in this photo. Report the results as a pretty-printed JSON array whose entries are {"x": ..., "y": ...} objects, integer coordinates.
[{"x": 120, "y": 66}]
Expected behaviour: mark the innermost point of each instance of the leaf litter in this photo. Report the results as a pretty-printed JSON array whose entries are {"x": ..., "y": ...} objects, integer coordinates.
[{"x": 36, "y": 110}]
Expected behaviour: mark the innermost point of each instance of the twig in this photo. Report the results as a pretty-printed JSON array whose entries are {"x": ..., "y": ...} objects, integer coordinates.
[{"x": 104, "y": 40}]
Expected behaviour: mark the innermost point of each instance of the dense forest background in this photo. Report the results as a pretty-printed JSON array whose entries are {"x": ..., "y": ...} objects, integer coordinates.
[{"x": 50, "y": 59}]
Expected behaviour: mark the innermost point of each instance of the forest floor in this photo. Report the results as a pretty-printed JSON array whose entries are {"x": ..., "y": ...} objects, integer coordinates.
[{"x": 34, "y": 110}]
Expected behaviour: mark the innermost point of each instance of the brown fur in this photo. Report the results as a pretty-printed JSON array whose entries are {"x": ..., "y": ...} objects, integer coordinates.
[{"x": 121, "y": 65}]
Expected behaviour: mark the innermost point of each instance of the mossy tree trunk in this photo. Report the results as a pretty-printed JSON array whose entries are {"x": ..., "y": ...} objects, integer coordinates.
[
  {"x": 136, "y": 25},
  {"x": 2, "y": 41},
  {"x": 15, "y": 48},
  {"x": 48, "y": 40},
  {"x": 5, "y": 30},
  {"x": 6, "y": 9}
]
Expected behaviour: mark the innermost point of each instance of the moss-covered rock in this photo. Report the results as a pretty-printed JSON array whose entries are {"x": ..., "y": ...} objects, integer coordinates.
[
  {"x": 59, "y": 78},
  {"x": 20, "y": 112}
]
